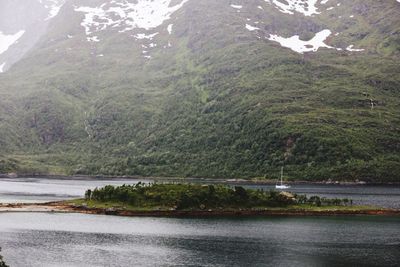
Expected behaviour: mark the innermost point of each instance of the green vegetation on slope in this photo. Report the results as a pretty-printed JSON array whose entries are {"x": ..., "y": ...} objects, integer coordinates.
[{"x": 218, "y": 103}]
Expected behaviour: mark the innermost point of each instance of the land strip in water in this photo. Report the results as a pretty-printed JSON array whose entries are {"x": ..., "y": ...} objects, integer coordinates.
[
  {"x": 198, "y": 200},
  {"x": 74, "y": 206}
]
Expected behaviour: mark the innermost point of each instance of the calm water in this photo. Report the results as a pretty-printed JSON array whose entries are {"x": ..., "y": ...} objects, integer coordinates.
[
  {"x": 33, "y": 239},
  {"x": 45, "y": 239},
  {"x": 44, "y": 190},
  {"x": 36, "y": 190}
]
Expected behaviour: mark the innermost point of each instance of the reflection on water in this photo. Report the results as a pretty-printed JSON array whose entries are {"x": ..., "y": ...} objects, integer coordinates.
[{"x": 33, "y": 239}]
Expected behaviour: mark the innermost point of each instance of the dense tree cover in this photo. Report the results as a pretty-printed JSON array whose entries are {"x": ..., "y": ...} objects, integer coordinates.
[
  {"x": 195, "y": 196},
  {"x": 7, "y": 165},
  {"x": 218, "y": 103}
]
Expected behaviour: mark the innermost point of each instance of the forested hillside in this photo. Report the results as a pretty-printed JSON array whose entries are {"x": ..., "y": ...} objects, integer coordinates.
[{"x": 202, "y": 88}]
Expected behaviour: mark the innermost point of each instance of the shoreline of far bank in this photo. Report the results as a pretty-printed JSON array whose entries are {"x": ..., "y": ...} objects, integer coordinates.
[
  {"x": 64, "y": 207},
  {"x": 238, "y": 181}
]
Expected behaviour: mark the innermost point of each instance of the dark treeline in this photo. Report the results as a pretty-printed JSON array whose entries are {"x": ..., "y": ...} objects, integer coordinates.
[{"x": 194, "y": 196}]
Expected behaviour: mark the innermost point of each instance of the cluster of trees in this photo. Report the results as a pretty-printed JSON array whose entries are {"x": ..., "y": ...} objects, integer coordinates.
[
  {"x": 195, "y": 196},
  {"x": 212, "y": 107},
  {"x": 7, "y": 165},
  {"x": 323, "y": 201}
]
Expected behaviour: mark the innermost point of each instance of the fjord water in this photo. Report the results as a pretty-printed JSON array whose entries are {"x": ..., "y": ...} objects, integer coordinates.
[
  {"x": 39, "y": 190},
  {"x": 34, "y": 239},
  {"x": 47, "y": 239},
  {"x": 28, "y": 190}
]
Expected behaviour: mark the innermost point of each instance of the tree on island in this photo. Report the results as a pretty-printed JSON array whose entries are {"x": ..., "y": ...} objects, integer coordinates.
[{"x": 2, "y": 263}]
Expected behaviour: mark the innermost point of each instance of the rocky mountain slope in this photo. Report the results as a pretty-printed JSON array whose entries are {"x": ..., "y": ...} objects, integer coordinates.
[{"x": 227, "y": 88}]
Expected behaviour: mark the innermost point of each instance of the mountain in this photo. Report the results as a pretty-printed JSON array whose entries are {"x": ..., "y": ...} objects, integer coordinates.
[{"x": 227, "y": 88}]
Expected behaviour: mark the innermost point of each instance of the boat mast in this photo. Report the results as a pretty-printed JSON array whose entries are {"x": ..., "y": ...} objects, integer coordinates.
[{"x": 282, "y": 175}]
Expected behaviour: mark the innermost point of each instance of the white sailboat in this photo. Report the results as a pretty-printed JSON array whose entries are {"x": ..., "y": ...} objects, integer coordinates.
[{"x": 282, "y": 186}]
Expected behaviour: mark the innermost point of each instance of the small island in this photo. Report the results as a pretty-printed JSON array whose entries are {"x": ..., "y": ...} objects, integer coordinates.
[{"x": 195, "y": 200}]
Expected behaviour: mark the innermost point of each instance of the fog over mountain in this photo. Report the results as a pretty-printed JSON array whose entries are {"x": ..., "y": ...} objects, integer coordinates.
[{"x": 205, "y": 88}]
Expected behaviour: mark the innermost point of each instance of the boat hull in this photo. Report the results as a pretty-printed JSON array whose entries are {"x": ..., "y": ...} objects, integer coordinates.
[{"x": 282, "y": 186}]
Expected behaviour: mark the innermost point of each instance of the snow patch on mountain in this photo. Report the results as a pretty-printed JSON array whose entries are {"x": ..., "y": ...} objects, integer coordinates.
[
  {"x": 126, "y": 16},
  {"x": 306, "y": 7},
  {"x": 93, "y": 39},
  {"x": 2, "y": 67},
  {"x": 301, "y": 46},
  {"x": 53, "y": 7},
  {"x": 237, "y": 6},
  {"x": 145, "y": 36},
  {"x": 351, "y": 49},
  {"x": 251, "y": 28},
  {"x": 8, "y": 40},
  {"x": 317, "y": 42},
  {"x": 169, "y": 28}
]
